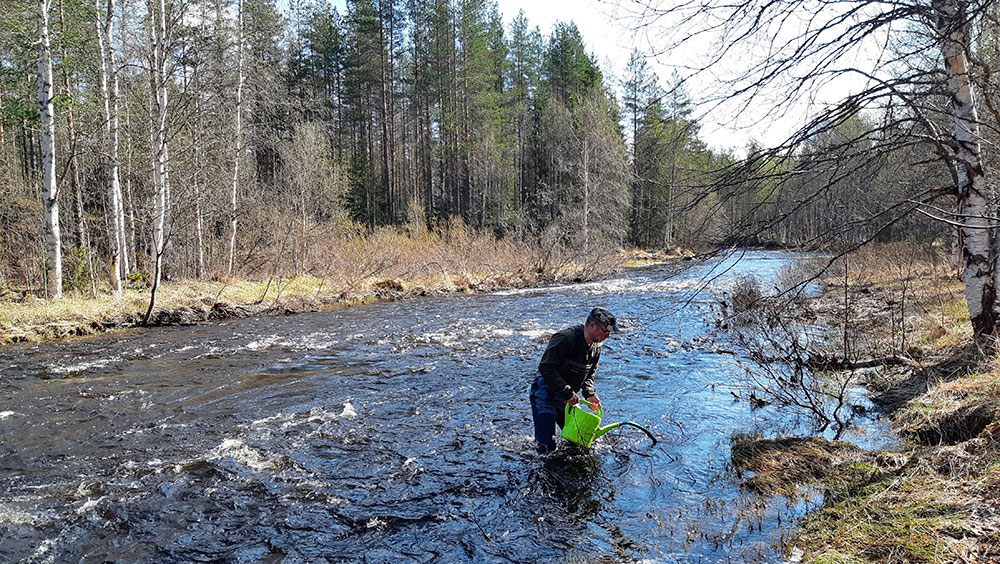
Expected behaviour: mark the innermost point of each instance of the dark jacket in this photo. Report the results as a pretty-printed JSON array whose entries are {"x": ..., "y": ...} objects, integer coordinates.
[{"x": 569, "y": 364}]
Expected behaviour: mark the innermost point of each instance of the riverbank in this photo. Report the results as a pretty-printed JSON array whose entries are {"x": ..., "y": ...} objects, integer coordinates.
[
  {"x": 899, "y": 314},
  {"x": 384, "y": 267}
]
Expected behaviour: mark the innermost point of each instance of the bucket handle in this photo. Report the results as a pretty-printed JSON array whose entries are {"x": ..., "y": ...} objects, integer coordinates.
[{"x": 598, "y": 411}]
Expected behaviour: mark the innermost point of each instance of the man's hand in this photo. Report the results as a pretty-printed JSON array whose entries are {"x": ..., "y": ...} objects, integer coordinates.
[
  {"x": 595, "y": 402},
  {"x": 573, "y": 400}
]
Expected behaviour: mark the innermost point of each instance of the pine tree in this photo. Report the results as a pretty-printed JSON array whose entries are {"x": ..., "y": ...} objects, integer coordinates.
[
  {"x": 641, "y": 96},
  {"x": 525, "y": 54}
]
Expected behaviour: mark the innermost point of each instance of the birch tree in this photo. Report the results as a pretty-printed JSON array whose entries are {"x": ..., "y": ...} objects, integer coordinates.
[
  {"x": 238, "y": 152},
  {"x": 788, "y": 49},
  {"x": 196, "y": 142},
  {"x": 50, "y": 189},
  {"x": 976, "y": 200},
  {"x": 158, "y": 137},
  {"x": 109, "y": 109},
  {"x": 430, "y": 111}
]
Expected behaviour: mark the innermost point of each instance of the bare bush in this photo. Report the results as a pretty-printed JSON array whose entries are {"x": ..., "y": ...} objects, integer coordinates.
[
  {"x": 872, "y": 307},
  {"x": 779, "y": 344},
  {"x": 746, "y": 295}
]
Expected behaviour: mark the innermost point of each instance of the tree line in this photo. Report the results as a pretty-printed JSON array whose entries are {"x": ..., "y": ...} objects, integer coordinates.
[
  {"x": 194, "y": 138},
  {"x": 185, "y": 138}
]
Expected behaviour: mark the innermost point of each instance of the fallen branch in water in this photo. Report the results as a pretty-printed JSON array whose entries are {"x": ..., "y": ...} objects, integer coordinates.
[{"x": 821, "y": 362}]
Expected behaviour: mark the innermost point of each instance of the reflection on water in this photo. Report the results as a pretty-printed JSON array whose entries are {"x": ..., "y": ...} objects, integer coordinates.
[{"x": 386, "y": 433}]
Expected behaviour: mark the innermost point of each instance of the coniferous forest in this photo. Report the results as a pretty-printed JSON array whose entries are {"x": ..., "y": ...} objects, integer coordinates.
[
  {"x": 209, "y": 132},
  {"x": 208, "y": 138}
]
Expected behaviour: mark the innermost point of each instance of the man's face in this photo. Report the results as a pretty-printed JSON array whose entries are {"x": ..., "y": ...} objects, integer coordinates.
[{"x": 597, "y": 332}]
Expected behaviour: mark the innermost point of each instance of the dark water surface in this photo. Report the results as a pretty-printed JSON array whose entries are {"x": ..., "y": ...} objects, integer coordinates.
[{"x": 395, "y": 432}]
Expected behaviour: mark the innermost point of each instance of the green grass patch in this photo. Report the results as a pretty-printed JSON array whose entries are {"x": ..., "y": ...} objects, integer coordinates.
[
  {"x": 867, "y": 529},
  {"x": 835, "y": 557}
]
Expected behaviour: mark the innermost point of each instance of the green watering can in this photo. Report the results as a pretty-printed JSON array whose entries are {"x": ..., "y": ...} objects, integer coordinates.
[{"x": 583, "y": 427}]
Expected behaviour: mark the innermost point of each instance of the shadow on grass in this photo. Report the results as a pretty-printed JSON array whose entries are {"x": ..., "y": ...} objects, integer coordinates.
[{"x": 910, "y": 382}]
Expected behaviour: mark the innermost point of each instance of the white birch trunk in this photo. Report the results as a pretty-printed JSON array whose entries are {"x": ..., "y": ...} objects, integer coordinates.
[
  {"x": 158, "y": 139},
  {"x": 116, "y": 184},
  {"x": 160, "y": 132},
  {"x": 975, "y": 197},
  {"x": 109, "y": 97},
  {"x": 129, "y": 202},
  {"x": 239, "y": 138},
  {"x": 168, "y": 198},
  {"x": 668, "y": 229},
  {"x": 50, "y": 190}
]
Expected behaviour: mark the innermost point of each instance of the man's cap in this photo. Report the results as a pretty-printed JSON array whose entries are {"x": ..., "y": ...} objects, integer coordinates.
[{"x": 605, "y": 318}]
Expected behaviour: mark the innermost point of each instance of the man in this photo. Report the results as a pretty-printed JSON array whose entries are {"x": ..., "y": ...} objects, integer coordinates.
[{"x": 568, "y": 367}]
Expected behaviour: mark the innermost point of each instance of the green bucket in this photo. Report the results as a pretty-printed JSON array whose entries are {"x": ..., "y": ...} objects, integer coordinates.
[{"x": 581, "y": 425}]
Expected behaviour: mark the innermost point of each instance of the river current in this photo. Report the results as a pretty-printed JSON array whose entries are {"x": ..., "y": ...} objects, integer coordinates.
[{"x": 386, "y": 433}]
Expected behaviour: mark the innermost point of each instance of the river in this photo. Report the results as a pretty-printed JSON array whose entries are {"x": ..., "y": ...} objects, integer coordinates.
[{"x": 386, "y": 433}]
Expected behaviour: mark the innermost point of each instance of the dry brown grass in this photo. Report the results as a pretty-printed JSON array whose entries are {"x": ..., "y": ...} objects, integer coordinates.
[
  {"x": 923, "y": 505},
  {"x": 939, "y": 505},
  {"x": 779, "y": 466},
  {"x": 896, "y": 299},
  {"x": 632, "y": 258},
  {"x": 952, "y": 412},
  {"x": 348, "y": 266}
]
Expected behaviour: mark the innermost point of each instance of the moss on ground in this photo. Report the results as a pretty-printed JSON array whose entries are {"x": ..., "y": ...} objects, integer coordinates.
[
  {"x": 927, "y": 504},
  {"x": 884, "y": 530}
]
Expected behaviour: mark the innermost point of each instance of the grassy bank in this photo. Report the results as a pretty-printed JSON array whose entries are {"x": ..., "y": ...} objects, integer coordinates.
[
  {"x": 937, "y": 499},
  {"x": 352, "y": 268}
]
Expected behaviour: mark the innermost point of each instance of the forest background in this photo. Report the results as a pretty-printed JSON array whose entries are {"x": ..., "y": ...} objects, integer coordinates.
[{"x": 211, "y": 139}]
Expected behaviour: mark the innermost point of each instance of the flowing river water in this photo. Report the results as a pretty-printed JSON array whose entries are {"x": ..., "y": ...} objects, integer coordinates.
[{"x": 386, "y": 433}]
